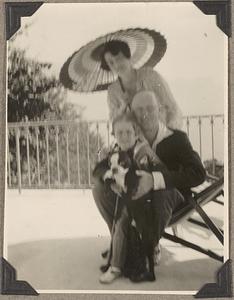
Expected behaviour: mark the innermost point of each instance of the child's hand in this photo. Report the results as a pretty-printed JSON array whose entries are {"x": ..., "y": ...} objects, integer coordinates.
[
  {"x": 142, "y": 151},
  {"x": 116, "y": 189}
]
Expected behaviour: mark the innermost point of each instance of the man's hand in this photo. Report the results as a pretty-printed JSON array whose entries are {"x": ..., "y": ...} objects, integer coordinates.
[{"x": 146, "y": 183}]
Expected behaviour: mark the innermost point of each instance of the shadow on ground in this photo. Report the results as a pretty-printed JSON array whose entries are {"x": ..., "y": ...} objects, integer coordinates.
[{"x": 73, "y": 264}]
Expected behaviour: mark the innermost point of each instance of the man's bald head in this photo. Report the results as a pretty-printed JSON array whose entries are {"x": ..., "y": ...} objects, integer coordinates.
[{"x": 146, "y": 109}]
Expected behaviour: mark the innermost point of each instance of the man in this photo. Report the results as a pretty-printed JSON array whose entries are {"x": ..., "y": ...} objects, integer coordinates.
[
  {"x": 171, "y": 185},
  {"x": 184, "y": 167}
]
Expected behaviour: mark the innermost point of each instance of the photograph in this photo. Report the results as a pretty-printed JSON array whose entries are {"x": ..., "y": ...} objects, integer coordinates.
[{"x": 117, "y": 148}]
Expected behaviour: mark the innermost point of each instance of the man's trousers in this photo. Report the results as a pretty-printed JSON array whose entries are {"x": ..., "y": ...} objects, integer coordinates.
[{"x": 163, "y": 203}]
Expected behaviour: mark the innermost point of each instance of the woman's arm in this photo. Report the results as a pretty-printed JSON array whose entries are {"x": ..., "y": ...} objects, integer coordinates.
[{"x": 113, "y": 103}]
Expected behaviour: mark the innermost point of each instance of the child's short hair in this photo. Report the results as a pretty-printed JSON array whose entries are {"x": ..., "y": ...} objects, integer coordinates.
[{"x": 128, "y": 117}]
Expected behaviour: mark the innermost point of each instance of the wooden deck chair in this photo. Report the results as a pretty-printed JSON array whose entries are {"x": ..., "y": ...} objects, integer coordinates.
[{"x": 195, "y": 203}]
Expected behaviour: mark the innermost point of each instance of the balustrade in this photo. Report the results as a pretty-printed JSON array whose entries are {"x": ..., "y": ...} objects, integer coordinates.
[{"x": 62, "y": 154}]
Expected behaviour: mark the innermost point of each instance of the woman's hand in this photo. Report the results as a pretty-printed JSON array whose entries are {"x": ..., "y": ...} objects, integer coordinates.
[{"x": 146, "y": 184}]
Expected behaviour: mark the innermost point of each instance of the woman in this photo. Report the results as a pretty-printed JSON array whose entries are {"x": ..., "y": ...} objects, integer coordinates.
[{"x": 116, "y": 57}]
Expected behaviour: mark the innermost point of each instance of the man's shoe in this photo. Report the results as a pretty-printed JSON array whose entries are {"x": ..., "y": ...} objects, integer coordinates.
[
  {"x": 104, "y": 268},
  {"x": 110, "y": 275}
]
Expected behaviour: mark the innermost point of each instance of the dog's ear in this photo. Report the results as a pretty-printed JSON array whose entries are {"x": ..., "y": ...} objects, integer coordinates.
[
  {"x": 109, "y": 159},
  {"x": 114, "y": 159},
  {"x": 114, "y": 150},
  {"x": 111, "y": 154},
  {"x": 125, "y": 160}
]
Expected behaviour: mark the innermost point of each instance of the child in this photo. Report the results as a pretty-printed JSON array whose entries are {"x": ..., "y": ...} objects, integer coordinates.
[{"x": 126, "y": 133}]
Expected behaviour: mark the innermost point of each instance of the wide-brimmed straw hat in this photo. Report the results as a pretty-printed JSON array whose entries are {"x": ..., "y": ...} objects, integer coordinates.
[{"x": 84, "y": 70}]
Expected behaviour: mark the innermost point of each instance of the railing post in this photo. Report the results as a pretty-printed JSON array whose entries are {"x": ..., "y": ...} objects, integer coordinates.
[
  {"x": 108, "y": 135},
  {"x": 78, "y": 154},
  {"x": 8, "y": 158},
  {"x": 67, "y": 154},
  {"x": 98, "y": 144},
  {"x": 88, "y": 154},
  {"x": 47, "y": 154},
  {"x": 28, "y": 156},
  {"x": 212, "y": 144},
  {"x": 187, "y": 124},
  {"x": 38, "y": 157},
  {"x": 200, "y": 136},
  {"x": 57, "y": 153},
  {"x": 17, "y": 136}
]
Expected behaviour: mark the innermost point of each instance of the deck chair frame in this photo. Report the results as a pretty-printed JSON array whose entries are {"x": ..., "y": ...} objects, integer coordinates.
[{"x": 195, "y": 203}]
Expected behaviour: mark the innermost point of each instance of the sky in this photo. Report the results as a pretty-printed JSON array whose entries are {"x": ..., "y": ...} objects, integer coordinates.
[{"x": 195, "y": 63}]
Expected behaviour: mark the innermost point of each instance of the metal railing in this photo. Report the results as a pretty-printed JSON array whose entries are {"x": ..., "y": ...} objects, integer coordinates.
[{"x": 62, "y": 154}]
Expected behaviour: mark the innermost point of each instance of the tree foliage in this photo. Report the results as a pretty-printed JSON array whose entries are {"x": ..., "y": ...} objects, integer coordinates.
[{"x": 33, "y": 94}]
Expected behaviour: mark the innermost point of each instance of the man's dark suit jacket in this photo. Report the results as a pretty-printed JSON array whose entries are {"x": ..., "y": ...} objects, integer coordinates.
[{"x": 184, "y": 168}]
